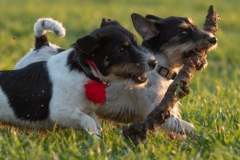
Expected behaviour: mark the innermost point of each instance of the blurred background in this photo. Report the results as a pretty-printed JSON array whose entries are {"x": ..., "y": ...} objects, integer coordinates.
[{"x": 80, "y": 17}]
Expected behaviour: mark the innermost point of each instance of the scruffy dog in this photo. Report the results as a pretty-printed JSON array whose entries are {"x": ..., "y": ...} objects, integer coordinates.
[
  {"x": 56, "y": 91},
  {"x": 170, "y": 39}
]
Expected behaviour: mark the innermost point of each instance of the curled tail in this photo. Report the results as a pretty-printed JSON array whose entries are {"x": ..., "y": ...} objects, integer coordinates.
[{"x": 44, "y": 25}]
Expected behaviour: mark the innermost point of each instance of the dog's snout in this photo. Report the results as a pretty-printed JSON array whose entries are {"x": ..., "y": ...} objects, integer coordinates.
[
  {"x": 213, "y": 40},
  {"x": 152, "y": 64}
]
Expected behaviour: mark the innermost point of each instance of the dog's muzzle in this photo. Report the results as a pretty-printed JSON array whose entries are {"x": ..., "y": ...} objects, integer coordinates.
[{"x": 213, "y": 40}]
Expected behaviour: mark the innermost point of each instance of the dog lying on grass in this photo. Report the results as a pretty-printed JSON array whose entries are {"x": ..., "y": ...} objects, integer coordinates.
[
  {"x": 169, "y": 39},
  {"x": 61, "y": 90}
]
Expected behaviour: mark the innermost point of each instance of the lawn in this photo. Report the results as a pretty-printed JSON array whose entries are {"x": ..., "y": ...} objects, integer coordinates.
[{"x": 213, "y": 105}]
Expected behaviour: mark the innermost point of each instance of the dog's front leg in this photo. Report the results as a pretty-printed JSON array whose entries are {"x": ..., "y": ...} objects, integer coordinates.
[
  {"x": 176, "y": 124},
  {"x": 74, "y": 118},
  {"x": 99, "y": 127}
]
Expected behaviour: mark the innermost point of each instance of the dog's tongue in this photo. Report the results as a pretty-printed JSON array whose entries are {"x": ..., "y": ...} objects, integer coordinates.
[{"x": 95, "y": 92}]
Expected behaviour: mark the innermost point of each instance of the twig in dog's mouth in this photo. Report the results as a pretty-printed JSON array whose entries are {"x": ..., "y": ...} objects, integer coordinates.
[{"x": 210, "y": 24}]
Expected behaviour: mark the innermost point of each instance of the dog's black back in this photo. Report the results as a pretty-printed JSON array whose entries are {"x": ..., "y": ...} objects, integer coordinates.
[{"x": 29, "y": 91}]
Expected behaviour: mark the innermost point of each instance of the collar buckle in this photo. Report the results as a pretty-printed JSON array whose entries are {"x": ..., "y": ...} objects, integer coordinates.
[
  {"x": 166, "y": 73},
  {"x": 163, "y": 71}
]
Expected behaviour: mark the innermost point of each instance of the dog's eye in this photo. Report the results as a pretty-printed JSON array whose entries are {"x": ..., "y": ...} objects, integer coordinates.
[{"x": 120, "y": 51}]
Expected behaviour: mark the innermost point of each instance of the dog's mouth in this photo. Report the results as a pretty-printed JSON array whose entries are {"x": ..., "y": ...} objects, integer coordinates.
[
  {"x": 205, "y": 49},
  {"x": 191, "y": 52},
  {"x": 136, "y": 78},
  {"x": 199, "y": 53},
  {"x": 139, "y": 78}
]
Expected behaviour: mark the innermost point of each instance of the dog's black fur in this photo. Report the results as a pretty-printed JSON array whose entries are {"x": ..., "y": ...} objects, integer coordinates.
[{"x": 29, "y": 91}]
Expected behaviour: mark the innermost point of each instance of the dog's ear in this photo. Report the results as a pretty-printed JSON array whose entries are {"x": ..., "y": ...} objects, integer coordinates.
[
  {"x": 146, "y": 28},
  {"x": 106, "y": 22},
  {"x": 155, "y": 18},
  {"x": 87, "y": 44}
]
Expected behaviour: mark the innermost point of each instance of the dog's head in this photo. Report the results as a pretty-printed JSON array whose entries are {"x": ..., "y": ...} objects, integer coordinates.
[
  {"x": 172, "y": 38},
  {"x": 115, "y": 53}
]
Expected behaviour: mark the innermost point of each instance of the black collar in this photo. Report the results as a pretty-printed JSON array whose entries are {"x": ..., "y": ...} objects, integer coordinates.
[{"x": 166, "y": 73}]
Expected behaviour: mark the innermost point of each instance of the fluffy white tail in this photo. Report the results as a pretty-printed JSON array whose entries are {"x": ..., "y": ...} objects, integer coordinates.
[{"x": 44, "y": 25}]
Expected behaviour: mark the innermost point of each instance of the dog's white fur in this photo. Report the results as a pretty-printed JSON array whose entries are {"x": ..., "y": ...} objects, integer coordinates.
[
  {"x": 45, "y": 52},
  {"x": 77, "y": 111}
]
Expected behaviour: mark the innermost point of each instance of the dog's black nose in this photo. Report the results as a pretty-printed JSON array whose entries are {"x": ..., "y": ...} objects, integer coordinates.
[
  {"x": 152, "y": 64},
  {"x": 213, "y": 40}
]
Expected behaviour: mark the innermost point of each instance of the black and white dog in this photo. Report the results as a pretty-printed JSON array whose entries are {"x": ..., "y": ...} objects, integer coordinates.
[
  {"x": 56, "y": 91},
  {"x": 170, "y": 39}
]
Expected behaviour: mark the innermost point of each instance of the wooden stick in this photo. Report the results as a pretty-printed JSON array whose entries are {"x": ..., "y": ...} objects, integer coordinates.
[{"x": 210, "y": 24}]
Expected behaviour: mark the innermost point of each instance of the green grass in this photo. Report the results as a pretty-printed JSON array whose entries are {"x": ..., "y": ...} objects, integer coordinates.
[{"x": 213, "y": 105}]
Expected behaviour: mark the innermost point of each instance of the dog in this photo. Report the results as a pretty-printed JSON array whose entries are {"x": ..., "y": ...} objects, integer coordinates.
[
  {"x": 61, "y": 90},
  {"x": 169, "y": 39}
]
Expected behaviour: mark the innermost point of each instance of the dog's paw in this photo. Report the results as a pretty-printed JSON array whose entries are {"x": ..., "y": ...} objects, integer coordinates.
[
  {"x": 99, "y": 130},
  {"x": 96, "y": 136},
  {"x": 176, "y": 136}
]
